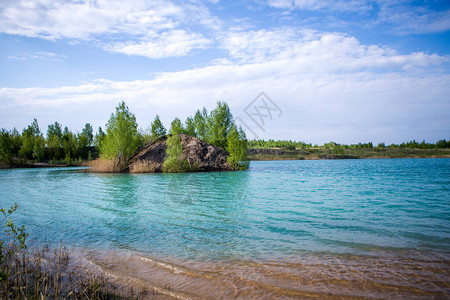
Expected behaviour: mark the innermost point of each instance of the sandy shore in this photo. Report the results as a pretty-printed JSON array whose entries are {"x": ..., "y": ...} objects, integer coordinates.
[{"x": 410, "y": 275}]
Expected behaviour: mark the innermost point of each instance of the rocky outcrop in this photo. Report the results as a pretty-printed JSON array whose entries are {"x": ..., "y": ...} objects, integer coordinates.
[{"x": 200, "y": 155}]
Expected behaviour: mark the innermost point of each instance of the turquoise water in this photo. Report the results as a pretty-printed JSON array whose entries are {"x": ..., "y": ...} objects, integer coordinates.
[
  {"x": 275, "y": 209},
  {"x": 282, "y": 229}
]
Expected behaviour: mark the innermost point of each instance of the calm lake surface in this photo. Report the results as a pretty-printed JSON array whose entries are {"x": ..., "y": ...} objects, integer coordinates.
[{"x": 292, "y": 229}]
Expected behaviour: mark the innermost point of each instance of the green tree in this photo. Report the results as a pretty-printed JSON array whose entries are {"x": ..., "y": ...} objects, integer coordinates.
[
  {"x": 122, "y": 136},
  {"x": 69, "y": 145},
  {"x": 189, "y": 127},
  {"x": 200, "y": 124},
  {"x": 33, "y": 129},
  {"x": 219, "y": 123},
  {"x": 88, "y": 132},
  {"x": 157, "y": 129},
  {"x": 173, "y": 163},
  {"x": 99, "y": 138},
  {"x": 82, "y": 145},
  {"x": 237, "y": 148},
  {"x": 54, "y": 130},
  {"x": 54, "y": 140},
  {"x": 39, "y": 148},
  {"x": 17, "y": 141},
  {"x": 29, "y": 136},
  {"x": 6, "y": 146},
  {"x": 26, "y": 151},
  {"x": 443, "y": 144},
  {"x": 83, "y": 141}
]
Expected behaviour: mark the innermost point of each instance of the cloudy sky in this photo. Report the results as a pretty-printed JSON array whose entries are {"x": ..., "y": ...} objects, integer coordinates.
[{"x": 346, "y": 71}]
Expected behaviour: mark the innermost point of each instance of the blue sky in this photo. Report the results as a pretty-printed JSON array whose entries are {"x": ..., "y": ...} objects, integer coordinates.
[{"x": 344, "y": 71}]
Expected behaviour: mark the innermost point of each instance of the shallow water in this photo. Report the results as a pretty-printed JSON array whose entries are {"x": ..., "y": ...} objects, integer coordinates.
[{"x": 288, "y": 229}]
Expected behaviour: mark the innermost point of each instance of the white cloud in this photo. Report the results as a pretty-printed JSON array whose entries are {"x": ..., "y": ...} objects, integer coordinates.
[
  {"x": 314, "y": 51},
  {"x": 133, "y": 27},
  {"x": 337, "y": 5},
  {"x": 413, "y": 19},
  {"x": 84, "y": 19},
  {"x": 39, "y": 55},
  {"x": 171, "y": 43},
  {"x": 402, "y": 17},
  {"x": 329, "y": 87}
]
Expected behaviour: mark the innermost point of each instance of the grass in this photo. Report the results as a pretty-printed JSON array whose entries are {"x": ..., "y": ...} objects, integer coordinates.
[
  {"x": 45, "y": 273},
  {"x": 105, "y": 166}
]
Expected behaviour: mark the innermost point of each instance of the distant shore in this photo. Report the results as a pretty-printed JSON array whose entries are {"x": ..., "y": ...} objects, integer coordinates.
[
  {"x": 320, "y": 153},
  {"x": 32, "y": 165}
]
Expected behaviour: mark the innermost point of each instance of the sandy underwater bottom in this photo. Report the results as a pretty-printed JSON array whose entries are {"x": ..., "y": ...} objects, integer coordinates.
[{"x": 409, "y": 275}]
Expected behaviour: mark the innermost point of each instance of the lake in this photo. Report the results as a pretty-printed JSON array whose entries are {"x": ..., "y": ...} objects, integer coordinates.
[{"x": 282, "y": 229}]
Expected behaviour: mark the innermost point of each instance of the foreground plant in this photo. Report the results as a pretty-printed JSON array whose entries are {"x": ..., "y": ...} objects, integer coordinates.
[{"x": 45, "y": 274}]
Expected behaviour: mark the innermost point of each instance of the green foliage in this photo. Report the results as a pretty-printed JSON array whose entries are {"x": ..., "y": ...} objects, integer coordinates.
[
  {"x": 81, "y": 145},
  {"x": 27, "y": 147},
  {"x": 84, "y": 141},
  {"x": 200, "y": 124},
  {"x": 99, "y": 138},
  {"x": 33, "y": 129},
  {"x": 69, "y": 145},
  {"x": 39, "y": 148},
  {"x": 189, "y": 127},
  {"x": 174, "y": 163},
  {"x": 215, "y": 129},
  {"x": 54, "y": 130},
  {"x": 330, "y": 145},
  {"x": 122, "y": 136},
  {"x": 54, "y": 140},
  {"x": 16, "y": 242},
  {"x": 41, "y": 273},
  {"x": 362, "y": 145},
  {"x": 289, "y": 147},
  {"x": 6, "y": 146},
  {"x": 16, "y": 140},
  {"x": 18, "y": 234},
  {"x": 157, "y": 129},
  {"x": 10, "y": 145},
  {"x": 88, "y": 133},
  {"x": 286, "y": 144},
  {"x": 237, "y": 148},
  {"x": 33, "y": 143},
  {"x": 443, "y": 144},
  {"x": 219, "y": 123},
  {"x": 338, "y": 150}
]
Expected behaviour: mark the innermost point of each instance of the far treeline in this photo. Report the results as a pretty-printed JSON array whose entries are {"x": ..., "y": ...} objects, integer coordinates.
[
  {"x": 276, "y": 150},
  {"x": 122, "y": 139},
  {"x": 292, "y": 145}
]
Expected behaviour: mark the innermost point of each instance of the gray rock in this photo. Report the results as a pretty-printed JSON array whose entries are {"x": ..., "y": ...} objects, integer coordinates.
[{"x": 201, "y": 156}]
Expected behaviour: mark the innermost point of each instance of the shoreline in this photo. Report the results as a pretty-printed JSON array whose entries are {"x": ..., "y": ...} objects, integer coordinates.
[
  {"x": 310, "y": 275},
  {"x": 39, "y": 165},
  {"x": 347, "y": 158},
  {"x": 269, "y": 154},
  {"x": 257, "y": 157}
]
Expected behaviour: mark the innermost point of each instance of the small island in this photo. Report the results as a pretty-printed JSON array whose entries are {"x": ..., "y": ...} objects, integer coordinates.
[{"x": 206, "y": 142}]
